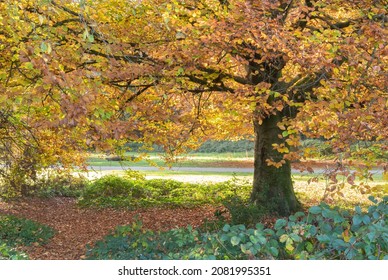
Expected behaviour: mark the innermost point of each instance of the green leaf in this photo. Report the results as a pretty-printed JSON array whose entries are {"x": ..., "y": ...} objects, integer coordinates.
[
  {"x": 372, "y": 198},
  {"x": 338, "y": 218},
  {"x": 315, "y": 210},
  {"x": 241, "y": 227},
  {"x": 296, "y": 237},
  {"x": 326, "y": 213},
  {"x": 357, "y": 220},
  {"x": 323, "y": 238},
  {"x": 279, "y": 224},
  {"x": 366, "y": 219},
  {"x": 326, "y": 227},
  {"x": 274, "y": 252},
  {"x": 371, "y": 236},
  {"x": 259, "y": 226},
  {"x": 226, "y": 228},
  {"x": 292, "y": 218},
  {"x": 313, "y": 230},
  {"x": 262, "y": 240},
  {"x": 254, "y": 239},
  {"x": 235, "y": 240},
  {"x": 224, "y": 237},
  {"x": 309, "y": 247}
]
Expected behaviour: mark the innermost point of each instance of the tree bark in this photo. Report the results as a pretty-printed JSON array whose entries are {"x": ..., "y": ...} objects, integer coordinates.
[{"x": 272, "y": 186}]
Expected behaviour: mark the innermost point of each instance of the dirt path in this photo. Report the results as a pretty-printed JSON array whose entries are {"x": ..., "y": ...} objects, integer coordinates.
[{"x": 76, "y": 227}]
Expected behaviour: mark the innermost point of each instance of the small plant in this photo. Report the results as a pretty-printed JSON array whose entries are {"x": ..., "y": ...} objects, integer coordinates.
[
  {"x": 8, "y": 253},
  {"x": 16, "y": 232},
  {"x": 322, "y": 233}
]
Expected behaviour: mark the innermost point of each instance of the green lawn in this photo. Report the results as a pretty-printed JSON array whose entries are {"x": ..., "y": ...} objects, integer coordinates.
[{"x": 155, "y": 159}]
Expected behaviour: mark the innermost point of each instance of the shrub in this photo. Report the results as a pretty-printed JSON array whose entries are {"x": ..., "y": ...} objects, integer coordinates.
[
  {"x": 135, "y": 242},
  {"x": 16, "y": 232},
  {"x": 322, "y": 233},
  {"x": 113, "y": 191},
  {"x": 49, "y": 184},
  {"x": 224, "y": 146},
  {"x": 329, "y": 233},
  {"x": 52, "y": 185}
]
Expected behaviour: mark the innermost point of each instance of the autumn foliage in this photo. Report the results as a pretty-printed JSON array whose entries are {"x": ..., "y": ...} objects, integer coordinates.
[{"x": 78, "y": 75}]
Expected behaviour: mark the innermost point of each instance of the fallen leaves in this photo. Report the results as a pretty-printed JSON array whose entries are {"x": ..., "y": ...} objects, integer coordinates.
[{"x": 76, "y": 227}]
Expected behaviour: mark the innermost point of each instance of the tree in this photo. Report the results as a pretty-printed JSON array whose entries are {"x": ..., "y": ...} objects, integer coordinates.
[
  {"x": 97, "y": 74},
  {"x": 314, "y": 67},
  {"x": 73, "y": 78}
]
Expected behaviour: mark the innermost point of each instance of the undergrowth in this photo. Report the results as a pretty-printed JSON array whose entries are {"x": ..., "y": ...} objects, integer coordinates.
[
  {"x": 114, "y": 191},
  {"x": 15, "y": 232},
  {"x": 323, "y": 232}
]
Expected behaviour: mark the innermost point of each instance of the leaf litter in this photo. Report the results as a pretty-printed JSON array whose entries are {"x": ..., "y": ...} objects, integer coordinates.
[{"x": 77, "y": 227}]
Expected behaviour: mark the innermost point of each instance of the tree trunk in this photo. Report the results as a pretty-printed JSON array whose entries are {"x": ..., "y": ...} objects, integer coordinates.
[{"x": 272, "y": 187}]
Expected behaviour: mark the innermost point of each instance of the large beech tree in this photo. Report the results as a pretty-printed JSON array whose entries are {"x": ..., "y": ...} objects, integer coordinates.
[{"x": 78, "y": 74}]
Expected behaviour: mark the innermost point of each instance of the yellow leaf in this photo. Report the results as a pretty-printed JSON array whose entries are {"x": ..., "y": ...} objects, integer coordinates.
[{"x": 345, "y": 235}]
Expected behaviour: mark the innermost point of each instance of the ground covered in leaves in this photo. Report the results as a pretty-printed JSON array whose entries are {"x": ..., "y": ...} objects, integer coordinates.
[{"x": 77, "y": 227}]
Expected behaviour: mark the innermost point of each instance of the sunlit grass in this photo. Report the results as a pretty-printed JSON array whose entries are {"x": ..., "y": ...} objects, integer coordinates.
[
  {"x": 308, "y": 192},
  {"x": 155, "y": 159}
]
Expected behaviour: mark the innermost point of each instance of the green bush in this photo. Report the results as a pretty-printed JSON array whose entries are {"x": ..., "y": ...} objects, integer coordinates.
[
  {"x": 16, "y": 232},
  {"x": 322, "y": 233},
  {"x": 210, "y": 146},
  {"x": 53, "y": 185},
  {"x": 49, "y": 184},
  {"x": 113, "y": 191},
  {"x": 225, "y": 146}
]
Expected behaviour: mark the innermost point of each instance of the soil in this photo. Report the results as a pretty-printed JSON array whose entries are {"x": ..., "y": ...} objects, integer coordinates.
[{"x": 77, "y": 227}]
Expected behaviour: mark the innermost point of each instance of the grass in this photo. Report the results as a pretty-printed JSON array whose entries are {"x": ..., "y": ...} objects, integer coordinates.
[{"x": 154, "y": 159}]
